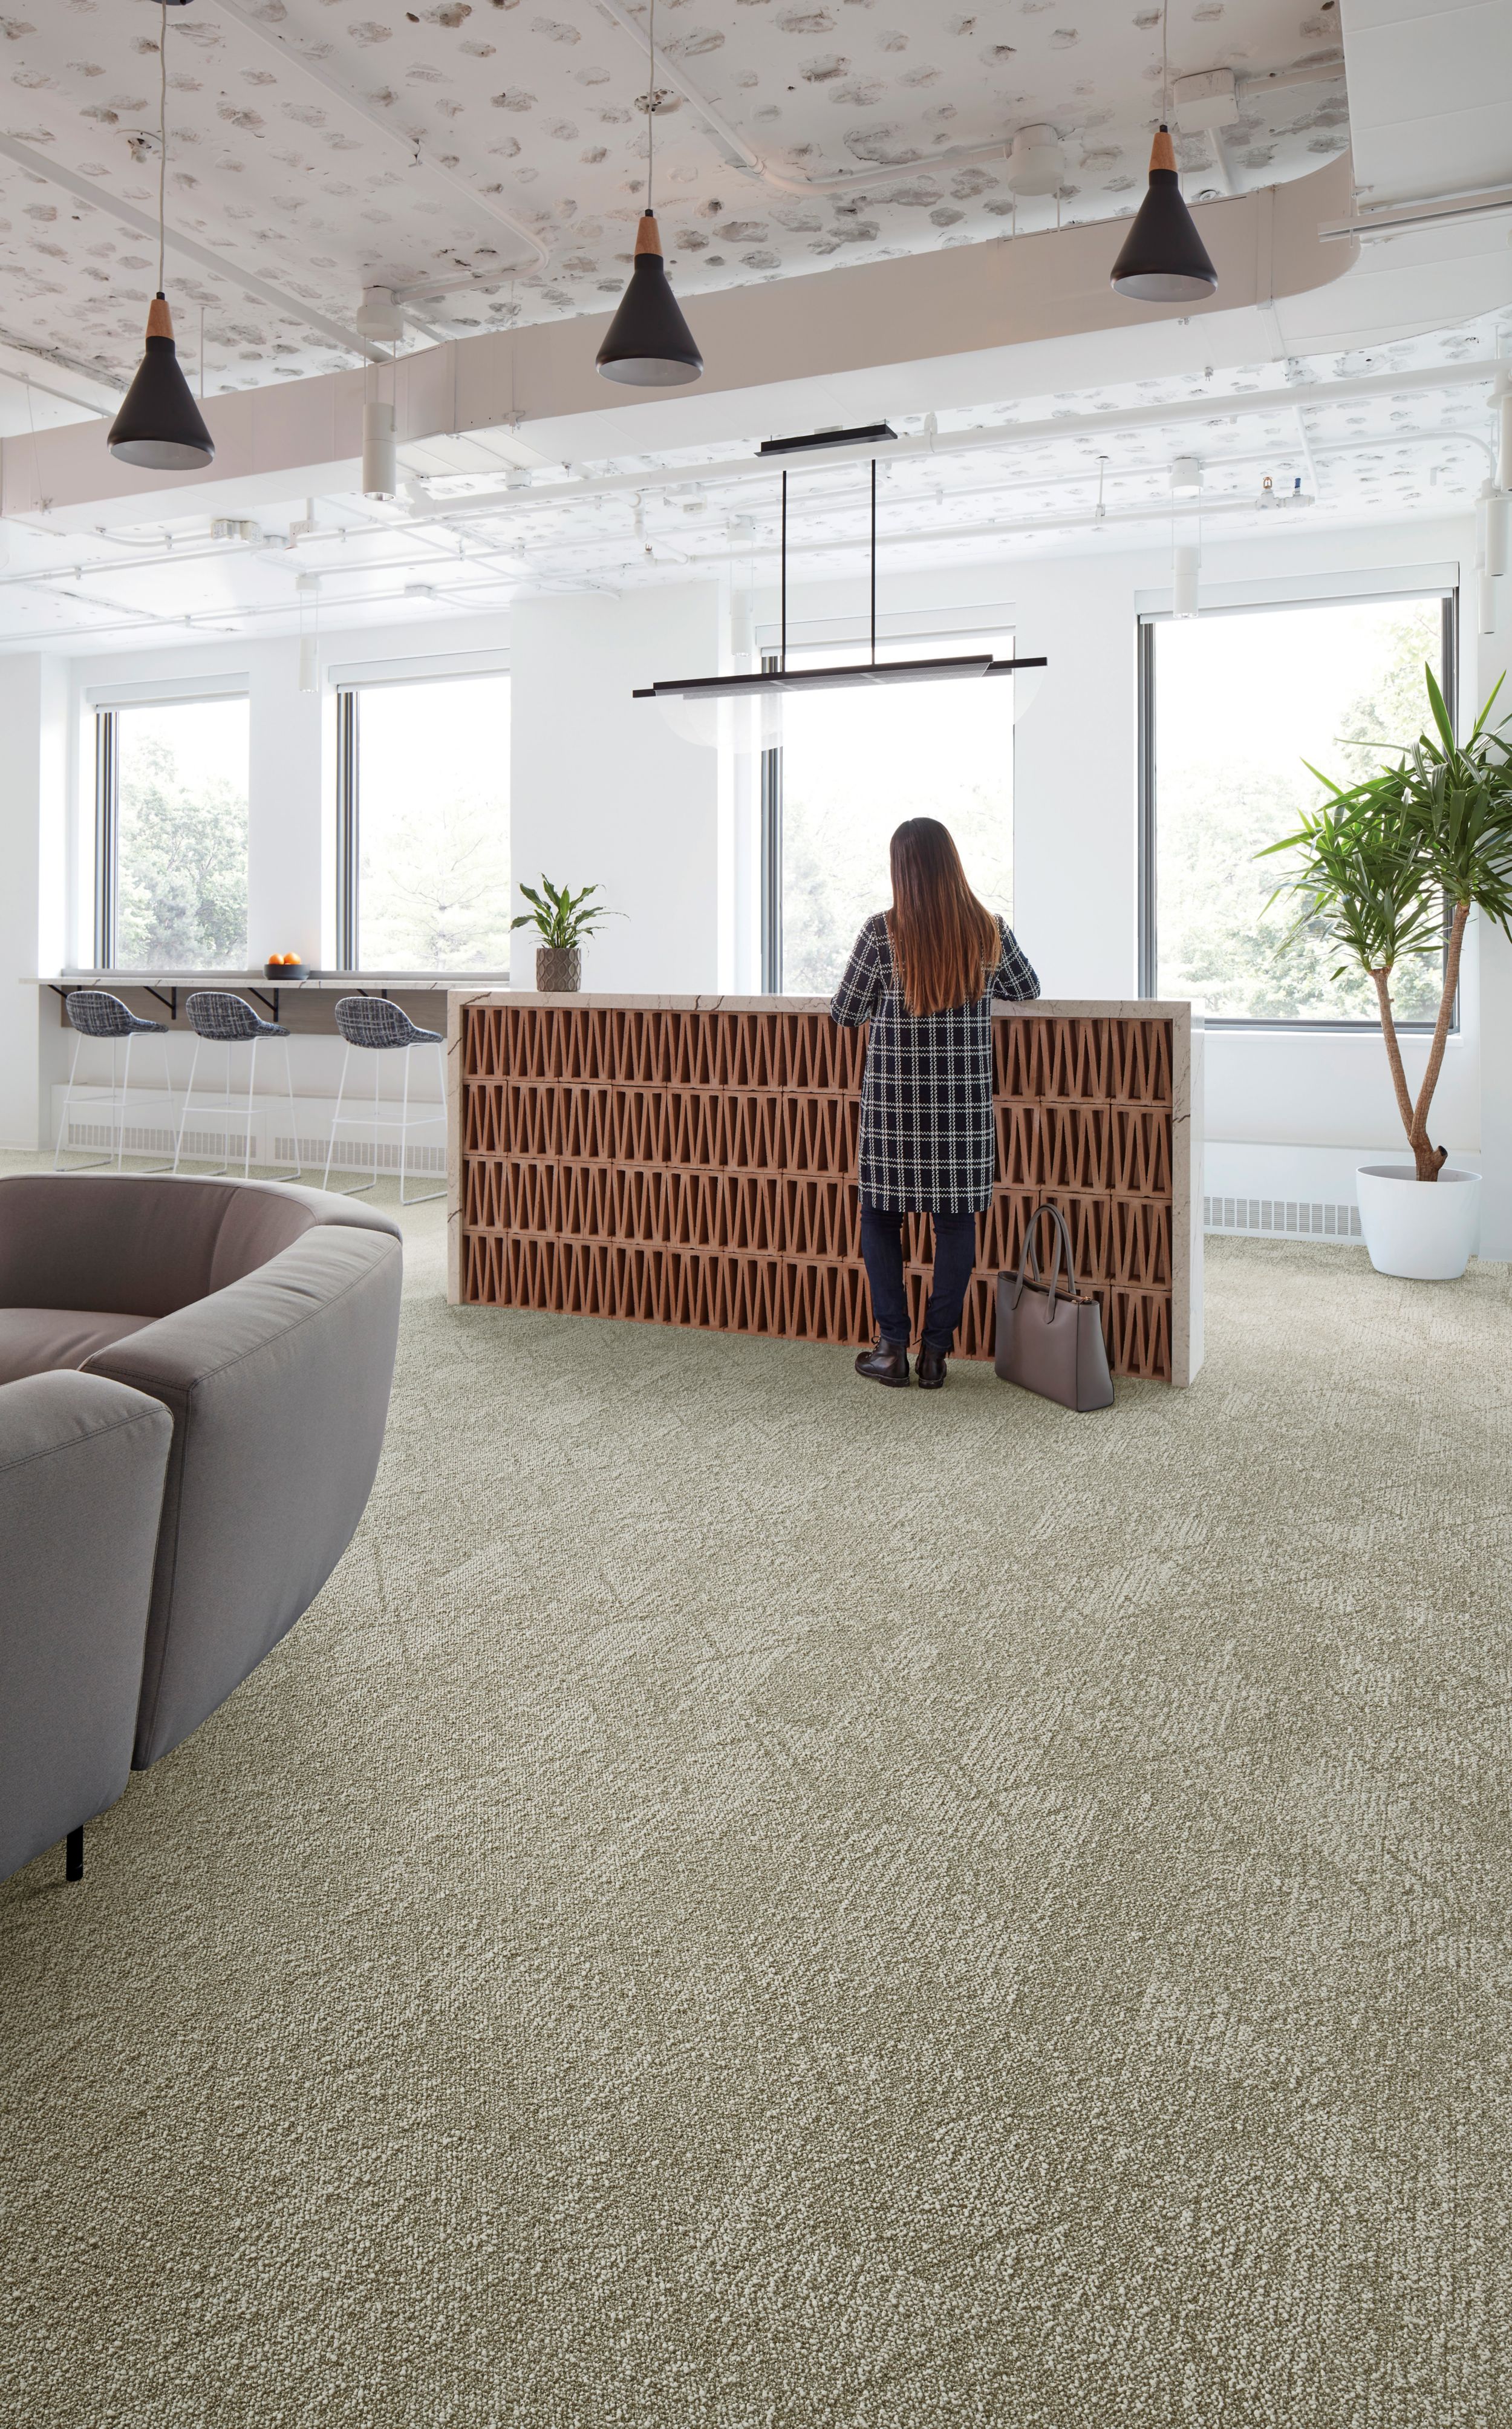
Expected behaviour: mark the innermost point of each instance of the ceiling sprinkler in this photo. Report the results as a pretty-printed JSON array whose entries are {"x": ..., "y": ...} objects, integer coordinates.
[{"x": 1037, "y": 161}]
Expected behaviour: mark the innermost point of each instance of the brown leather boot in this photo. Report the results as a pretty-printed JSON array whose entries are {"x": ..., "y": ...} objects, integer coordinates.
[
  {"x": 931, "y": 1367},
  {"x": 887, "y": 1362}
]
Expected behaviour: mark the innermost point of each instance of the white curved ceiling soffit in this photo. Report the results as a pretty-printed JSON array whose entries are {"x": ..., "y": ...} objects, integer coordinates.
[{"x": 476, "y": 136}]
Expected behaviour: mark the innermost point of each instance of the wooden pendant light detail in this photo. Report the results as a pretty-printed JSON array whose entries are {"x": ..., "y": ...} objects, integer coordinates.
[
  {"x": 159, "y": 318},
  {"x": 647, "y": 235},
  {"x": 1162, "y": 151}
]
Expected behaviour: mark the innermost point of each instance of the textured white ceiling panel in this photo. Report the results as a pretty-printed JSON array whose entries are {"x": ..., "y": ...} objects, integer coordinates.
[{"x": 320, "y": 145}]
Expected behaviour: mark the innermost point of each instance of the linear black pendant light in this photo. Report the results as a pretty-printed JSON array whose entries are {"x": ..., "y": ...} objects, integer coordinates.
[
  {"x": 159, "y": 427},
  {"x": 777, "y": 681},
  {"x": 1163, "y": 259},
  {"x": 649, "y": 343}
]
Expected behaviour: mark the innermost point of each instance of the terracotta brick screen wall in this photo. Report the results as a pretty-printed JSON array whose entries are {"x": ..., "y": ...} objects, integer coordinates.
[{"x": 696, "y": 1167}]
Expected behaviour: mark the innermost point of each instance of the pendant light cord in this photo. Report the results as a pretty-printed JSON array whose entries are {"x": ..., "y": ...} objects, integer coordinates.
[
  {"x": 1165, "y": 64},
  {"x": 162, "y": 141},
  {"x": 650, "y": 110}
]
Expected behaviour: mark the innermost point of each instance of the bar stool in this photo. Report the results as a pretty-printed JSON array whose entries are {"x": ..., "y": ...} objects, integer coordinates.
[
  {"x": 378, "y": 1027},
  {"x": 220, "y": 1019},
  {"x": 92, "y": 1012}
]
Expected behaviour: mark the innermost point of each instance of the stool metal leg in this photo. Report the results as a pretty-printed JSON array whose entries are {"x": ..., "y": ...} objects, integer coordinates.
[
  {"x": 121, "y": 1101},
  {"x": 339, "y": 1119},
  {"x": 421, "y": 1197},
  {"x": 298, "y": 1173},
  {"x": 188, "y": 1094},
  {"x": 252, "y": 1087}
]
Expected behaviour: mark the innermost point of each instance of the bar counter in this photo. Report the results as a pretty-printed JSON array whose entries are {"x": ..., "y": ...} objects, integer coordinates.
[{"x": 691, "y": 1160}]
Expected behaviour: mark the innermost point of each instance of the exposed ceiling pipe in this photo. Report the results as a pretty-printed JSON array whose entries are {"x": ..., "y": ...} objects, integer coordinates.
[
  {"x": 100, "y": 198},
  {"x": 1093, "y": 426},
  {"x": 527, "y": 566},
  {"x": 1416, "y": 219},
  {"x": 410, "y": 144}
]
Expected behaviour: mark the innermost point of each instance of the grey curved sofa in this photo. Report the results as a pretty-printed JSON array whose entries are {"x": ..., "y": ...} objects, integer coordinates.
[
  {"x": 264, "y": 1318},
  {"x": 81, "y": 1486}
]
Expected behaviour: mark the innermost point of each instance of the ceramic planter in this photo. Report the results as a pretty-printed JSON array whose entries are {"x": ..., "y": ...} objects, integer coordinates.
[
  {"x": 1423, "y": 1229},
  {"x": 558, "y": 969}
]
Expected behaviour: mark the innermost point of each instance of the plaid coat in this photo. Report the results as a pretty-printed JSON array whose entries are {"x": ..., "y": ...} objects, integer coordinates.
[{"x": 926, "y": 1134}]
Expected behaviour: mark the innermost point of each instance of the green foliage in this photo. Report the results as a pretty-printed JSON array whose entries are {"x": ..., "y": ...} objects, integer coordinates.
[
  {"x": 182, "y": 867},
  {"x": 1217, "y": 815},
  {"x": 1379, "y": 861},
  {"x": 562, "y": 917},
  {"x": 1372, "y": 868}
]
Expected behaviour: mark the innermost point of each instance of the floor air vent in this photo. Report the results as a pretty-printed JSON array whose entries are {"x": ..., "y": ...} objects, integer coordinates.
[{"x": 1281, "y": 1218}]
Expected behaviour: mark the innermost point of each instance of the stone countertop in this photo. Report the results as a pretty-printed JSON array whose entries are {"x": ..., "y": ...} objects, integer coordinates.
[
  {"x": 315, "y": 982},
  {"x": 1059, "y": 1008}
]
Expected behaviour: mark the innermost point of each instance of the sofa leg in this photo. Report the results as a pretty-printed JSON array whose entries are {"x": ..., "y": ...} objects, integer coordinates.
[{"x": 74, "y": 1867}]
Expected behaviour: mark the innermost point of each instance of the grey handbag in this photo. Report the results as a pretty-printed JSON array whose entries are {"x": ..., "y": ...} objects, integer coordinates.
[{"x": 1050, "y": 1334}]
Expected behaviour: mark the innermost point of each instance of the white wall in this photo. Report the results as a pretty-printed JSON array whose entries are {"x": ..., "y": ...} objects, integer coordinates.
[
  {"x": 33, "y": 857},
  {"x": 1289, "y": 1114},
  {"x": 605, "y": 793},
  {"x": 603, "y": 790}
]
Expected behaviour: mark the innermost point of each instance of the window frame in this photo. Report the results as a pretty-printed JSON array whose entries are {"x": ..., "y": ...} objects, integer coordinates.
[
  {"x": 108, "y": 714},
  {"x": 1149, "y": 806}
]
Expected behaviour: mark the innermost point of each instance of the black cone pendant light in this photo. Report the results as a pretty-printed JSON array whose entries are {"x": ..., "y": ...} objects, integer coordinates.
[
  {"x": 159, "y": 427},
  {"x": 1163, "y": 259},
  {"x": 649, "y": 342}
]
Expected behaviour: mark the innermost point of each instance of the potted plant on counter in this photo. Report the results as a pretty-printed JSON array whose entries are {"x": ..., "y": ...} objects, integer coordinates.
[
  {"x": 564, "y": 919},
  {"x": 1390, "y": 869}
]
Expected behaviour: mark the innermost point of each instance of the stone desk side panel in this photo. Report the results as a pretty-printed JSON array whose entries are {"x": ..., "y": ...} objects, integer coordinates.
[{"x": 680, "y": 1164}]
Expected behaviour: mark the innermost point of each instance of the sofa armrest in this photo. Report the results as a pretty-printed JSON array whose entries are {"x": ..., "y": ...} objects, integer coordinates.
[
  {"x": 82, "y": 1462},
  {"x": 278, "y": 1386}
]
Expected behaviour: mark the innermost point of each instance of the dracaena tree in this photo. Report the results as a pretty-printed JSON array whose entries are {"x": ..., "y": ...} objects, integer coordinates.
[{"x": 1391, "y": 867}]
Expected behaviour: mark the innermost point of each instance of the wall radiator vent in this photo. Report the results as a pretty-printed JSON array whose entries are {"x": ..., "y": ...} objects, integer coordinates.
[
  {"x": 353, "y": 1153},
  {"x": 1281, "y": 1218}
]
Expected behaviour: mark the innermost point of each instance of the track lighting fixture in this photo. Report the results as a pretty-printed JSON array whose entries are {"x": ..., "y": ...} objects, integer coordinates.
[
  {"x": 159, "y": 427},
  {"x": 649, "y": 342}
]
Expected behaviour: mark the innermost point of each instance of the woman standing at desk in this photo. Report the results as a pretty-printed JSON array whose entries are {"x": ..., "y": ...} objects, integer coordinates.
[{"x": 924, "y": 974}]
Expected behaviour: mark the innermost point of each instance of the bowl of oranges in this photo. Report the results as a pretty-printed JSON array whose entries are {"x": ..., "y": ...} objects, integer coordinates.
[{"x": 284, "y": 965}]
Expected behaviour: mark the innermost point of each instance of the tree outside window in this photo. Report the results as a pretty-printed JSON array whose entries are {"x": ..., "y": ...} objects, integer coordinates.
[
  {"x": 433, "y": 825},
  {"x": 1244, "y": 700},
  {"x": 181, "y": 836}
]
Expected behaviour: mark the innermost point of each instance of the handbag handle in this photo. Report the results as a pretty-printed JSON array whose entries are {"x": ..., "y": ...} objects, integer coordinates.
[{"x": 1031, "y": 1256}]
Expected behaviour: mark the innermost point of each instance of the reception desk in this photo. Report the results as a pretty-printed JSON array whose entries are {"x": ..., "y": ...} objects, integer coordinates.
[{"x": 691, "y": 1160}]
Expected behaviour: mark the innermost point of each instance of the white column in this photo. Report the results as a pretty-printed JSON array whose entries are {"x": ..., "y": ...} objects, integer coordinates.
[
  {"x": 33, "y": 855},
  {"x": 292, "y": 806},
  {"x": 604, "y": 792},
  {"x": 1075, "y": 820},
  {"x": 1493, "y": 657}
]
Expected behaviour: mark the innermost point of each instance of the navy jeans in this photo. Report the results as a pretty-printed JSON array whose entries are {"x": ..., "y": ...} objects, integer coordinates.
[{"x": 955, "y": 1253}]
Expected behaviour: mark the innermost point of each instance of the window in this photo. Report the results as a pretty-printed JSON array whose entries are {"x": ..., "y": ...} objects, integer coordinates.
[
  {"x": 171, "y": 830},
  {"x": 853, "y": 765},
  {"x": 1235, "y": 705},
  {"x": 423, "y": 782}
]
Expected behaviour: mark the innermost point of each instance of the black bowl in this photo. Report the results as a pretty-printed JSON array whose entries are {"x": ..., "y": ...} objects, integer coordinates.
[{"x": 286, "y": 970}]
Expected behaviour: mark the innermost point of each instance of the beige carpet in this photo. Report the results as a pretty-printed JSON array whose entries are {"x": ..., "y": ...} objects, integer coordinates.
[{"x": 757, "y": 1901}]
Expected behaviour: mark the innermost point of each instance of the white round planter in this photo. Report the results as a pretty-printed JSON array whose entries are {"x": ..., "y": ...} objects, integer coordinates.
[{"x": 1424, "y": 1229}]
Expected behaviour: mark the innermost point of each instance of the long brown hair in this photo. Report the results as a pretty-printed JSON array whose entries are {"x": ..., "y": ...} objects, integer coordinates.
[{"x": 944, "y": 943}]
